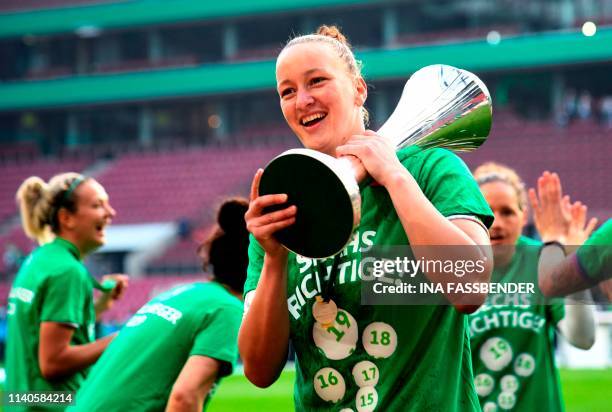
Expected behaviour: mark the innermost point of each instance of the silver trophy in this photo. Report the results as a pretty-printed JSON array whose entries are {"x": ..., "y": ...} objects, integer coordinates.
[{"x": 441, "y": 106}]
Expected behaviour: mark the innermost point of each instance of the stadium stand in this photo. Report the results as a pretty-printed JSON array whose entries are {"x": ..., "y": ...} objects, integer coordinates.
[
  {"x": 580, "y": 154},
  {"x": 153, "y": 187},
  {"x": 11, "y": 176},
  {"x": 11, "y": 153}
]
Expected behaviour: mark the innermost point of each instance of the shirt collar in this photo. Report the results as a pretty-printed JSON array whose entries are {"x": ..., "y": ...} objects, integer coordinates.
[{"x": 69, "y": 246}]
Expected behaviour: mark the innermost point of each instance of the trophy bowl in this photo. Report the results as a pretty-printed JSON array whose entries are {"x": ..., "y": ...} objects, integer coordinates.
[{"x": 441, "y": 106}]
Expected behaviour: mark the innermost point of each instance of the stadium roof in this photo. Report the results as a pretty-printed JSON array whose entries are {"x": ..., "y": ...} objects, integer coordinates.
[
  {"x": 523, "y": 52},
  {"x": 149, "y": 12}
]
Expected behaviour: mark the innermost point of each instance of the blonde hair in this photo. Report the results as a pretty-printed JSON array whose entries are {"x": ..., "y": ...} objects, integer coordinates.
[
  {"x": 332, "y": 36},
  {"x": 39, "y": 202},
  {"x": 495, "y": 172}
]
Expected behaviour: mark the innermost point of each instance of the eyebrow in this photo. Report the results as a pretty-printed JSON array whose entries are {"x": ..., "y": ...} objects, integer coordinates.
[{"x": 306, "y": 73}]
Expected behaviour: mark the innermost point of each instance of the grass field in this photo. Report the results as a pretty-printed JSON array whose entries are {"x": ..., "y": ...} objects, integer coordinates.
[
  {"x": 584, "y": 390},
  {"x": 587, "y": 390}
]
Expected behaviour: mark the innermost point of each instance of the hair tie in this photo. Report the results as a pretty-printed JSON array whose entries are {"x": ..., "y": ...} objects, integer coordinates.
[
  {"x": 75, "y": 183},
  {"x": 492, "y": 177}
]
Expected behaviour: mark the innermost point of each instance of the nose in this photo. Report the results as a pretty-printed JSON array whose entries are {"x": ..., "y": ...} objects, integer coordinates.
[
  {"x": 496, "y": 221},
  {"x": 110, "y": 211},
  {"x": 304, "y": 99}
]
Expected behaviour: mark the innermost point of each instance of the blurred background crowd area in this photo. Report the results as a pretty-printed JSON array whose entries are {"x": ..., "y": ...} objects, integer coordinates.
[{"x": 172, "y": 105}]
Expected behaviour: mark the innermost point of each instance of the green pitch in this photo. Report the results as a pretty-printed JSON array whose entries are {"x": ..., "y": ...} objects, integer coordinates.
[
  {"x": 583, "y": 390},
  {"x": 587, "y": 390},
  {"x": 236, "y": 393}
]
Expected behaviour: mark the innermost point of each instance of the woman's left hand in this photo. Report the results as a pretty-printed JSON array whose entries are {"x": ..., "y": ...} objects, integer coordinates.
[
  {"x": 376, "y": 153},
  {"x": 555, "y": 217},
  {"x": 106, "y": 300}
]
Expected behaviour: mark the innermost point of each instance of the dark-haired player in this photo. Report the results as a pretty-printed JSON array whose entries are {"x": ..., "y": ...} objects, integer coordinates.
[{"x": 171, "y": 353}]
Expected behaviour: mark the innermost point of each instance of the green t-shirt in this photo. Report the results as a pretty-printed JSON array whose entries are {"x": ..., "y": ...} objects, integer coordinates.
[
  {"x": 388, "y": 358},
  {"x": 51, "y": 286},
  {"x": 594, "y": 257},
  {"x": 138, "y": 369},
  {"x": 512, "y": 342}
]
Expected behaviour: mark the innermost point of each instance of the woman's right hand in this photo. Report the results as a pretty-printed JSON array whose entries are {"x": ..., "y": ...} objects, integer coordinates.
[
  {"x": 579, "y": 231},
  {"x": 263, "y": 225}
]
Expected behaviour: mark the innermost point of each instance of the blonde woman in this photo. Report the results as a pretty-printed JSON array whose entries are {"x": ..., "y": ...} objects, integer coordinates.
[
  {"x": 388, "y": 358},
  {"x": 51, "y": 311},
  {"x": 512, "y": 334}
]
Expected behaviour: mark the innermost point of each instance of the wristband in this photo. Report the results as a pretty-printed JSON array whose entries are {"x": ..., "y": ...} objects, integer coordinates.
[{"x": 555, "y": 243}]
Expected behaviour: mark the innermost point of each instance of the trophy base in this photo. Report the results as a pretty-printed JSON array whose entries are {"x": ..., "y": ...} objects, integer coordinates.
[{"x": 328, "y": 203}]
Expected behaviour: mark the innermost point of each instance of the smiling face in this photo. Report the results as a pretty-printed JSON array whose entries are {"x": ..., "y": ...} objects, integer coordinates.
[
  {"x": 509, "y": 218},
  {"x": 320, "y": 99},
  {"x": 86, "y": 226}
]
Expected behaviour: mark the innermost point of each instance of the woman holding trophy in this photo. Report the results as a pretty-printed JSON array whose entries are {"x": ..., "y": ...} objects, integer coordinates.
[{"x": 349, "y": 355}]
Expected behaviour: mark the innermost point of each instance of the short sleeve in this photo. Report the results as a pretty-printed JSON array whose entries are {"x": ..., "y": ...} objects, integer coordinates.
[
  {"x": 556, "y": 311},
  {"x": 256, "y": 257},
  {"x": 218, "y": 338},
  {"x": 449, "y": 185},
  {"x": 594, "y": 257},
  {"x": 65, "y": 298}
]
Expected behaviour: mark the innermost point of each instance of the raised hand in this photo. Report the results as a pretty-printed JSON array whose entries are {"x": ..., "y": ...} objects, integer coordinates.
[
  {"x": 556, "y": 218},
  {"x": 106, "y": 300},
  {"x": 579, "y": 230}
]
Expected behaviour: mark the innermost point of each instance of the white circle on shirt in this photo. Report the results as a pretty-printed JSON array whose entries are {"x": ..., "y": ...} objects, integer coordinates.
[
  {"x": 496, "y": 353},
  {"x": 329, "y": 385},
  {"x": 484, "y": 384},
  {"x": 379, "y": 339},
  {"x": 509, "y": 383},
  {"x": 524, "y": 365},
  {"x": 366, "y": 399},
  {"x": 506, "y": 400},
  {"x": 489, "y": 407},
  {"x": 365, "y": 373},
  {"x": 339, "y": 340}
]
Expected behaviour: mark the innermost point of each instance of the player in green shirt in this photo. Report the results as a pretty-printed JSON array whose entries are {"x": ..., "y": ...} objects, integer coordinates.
[
  {"x": 171, "y": 353},
  {"x": 512, "y": 334},
  {"x": 51, "y": 311},
  {"x": 583, "y": 268},
  {"x": 388, "y": 358}
]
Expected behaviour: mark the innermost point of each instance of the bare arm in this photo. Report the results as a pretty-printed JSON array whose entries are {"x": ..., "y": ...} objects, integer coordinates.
[
  {"x": 578, "y": 324},
  {"x": 263, "y": 339},
  {"x": 559, "y": 275},
  {"x": 193, "y": 384},
  {"x": 264, "y": 335},
  {"x": 424, "y": 225},
  {"x": 558, "y": 220},
  {"x": 57, "y": 358}
]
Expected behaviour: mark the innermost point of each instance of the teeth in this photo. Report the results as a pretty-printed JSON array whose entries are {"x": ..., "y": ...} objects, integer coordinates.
[{"x": 312, "y": 117}]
